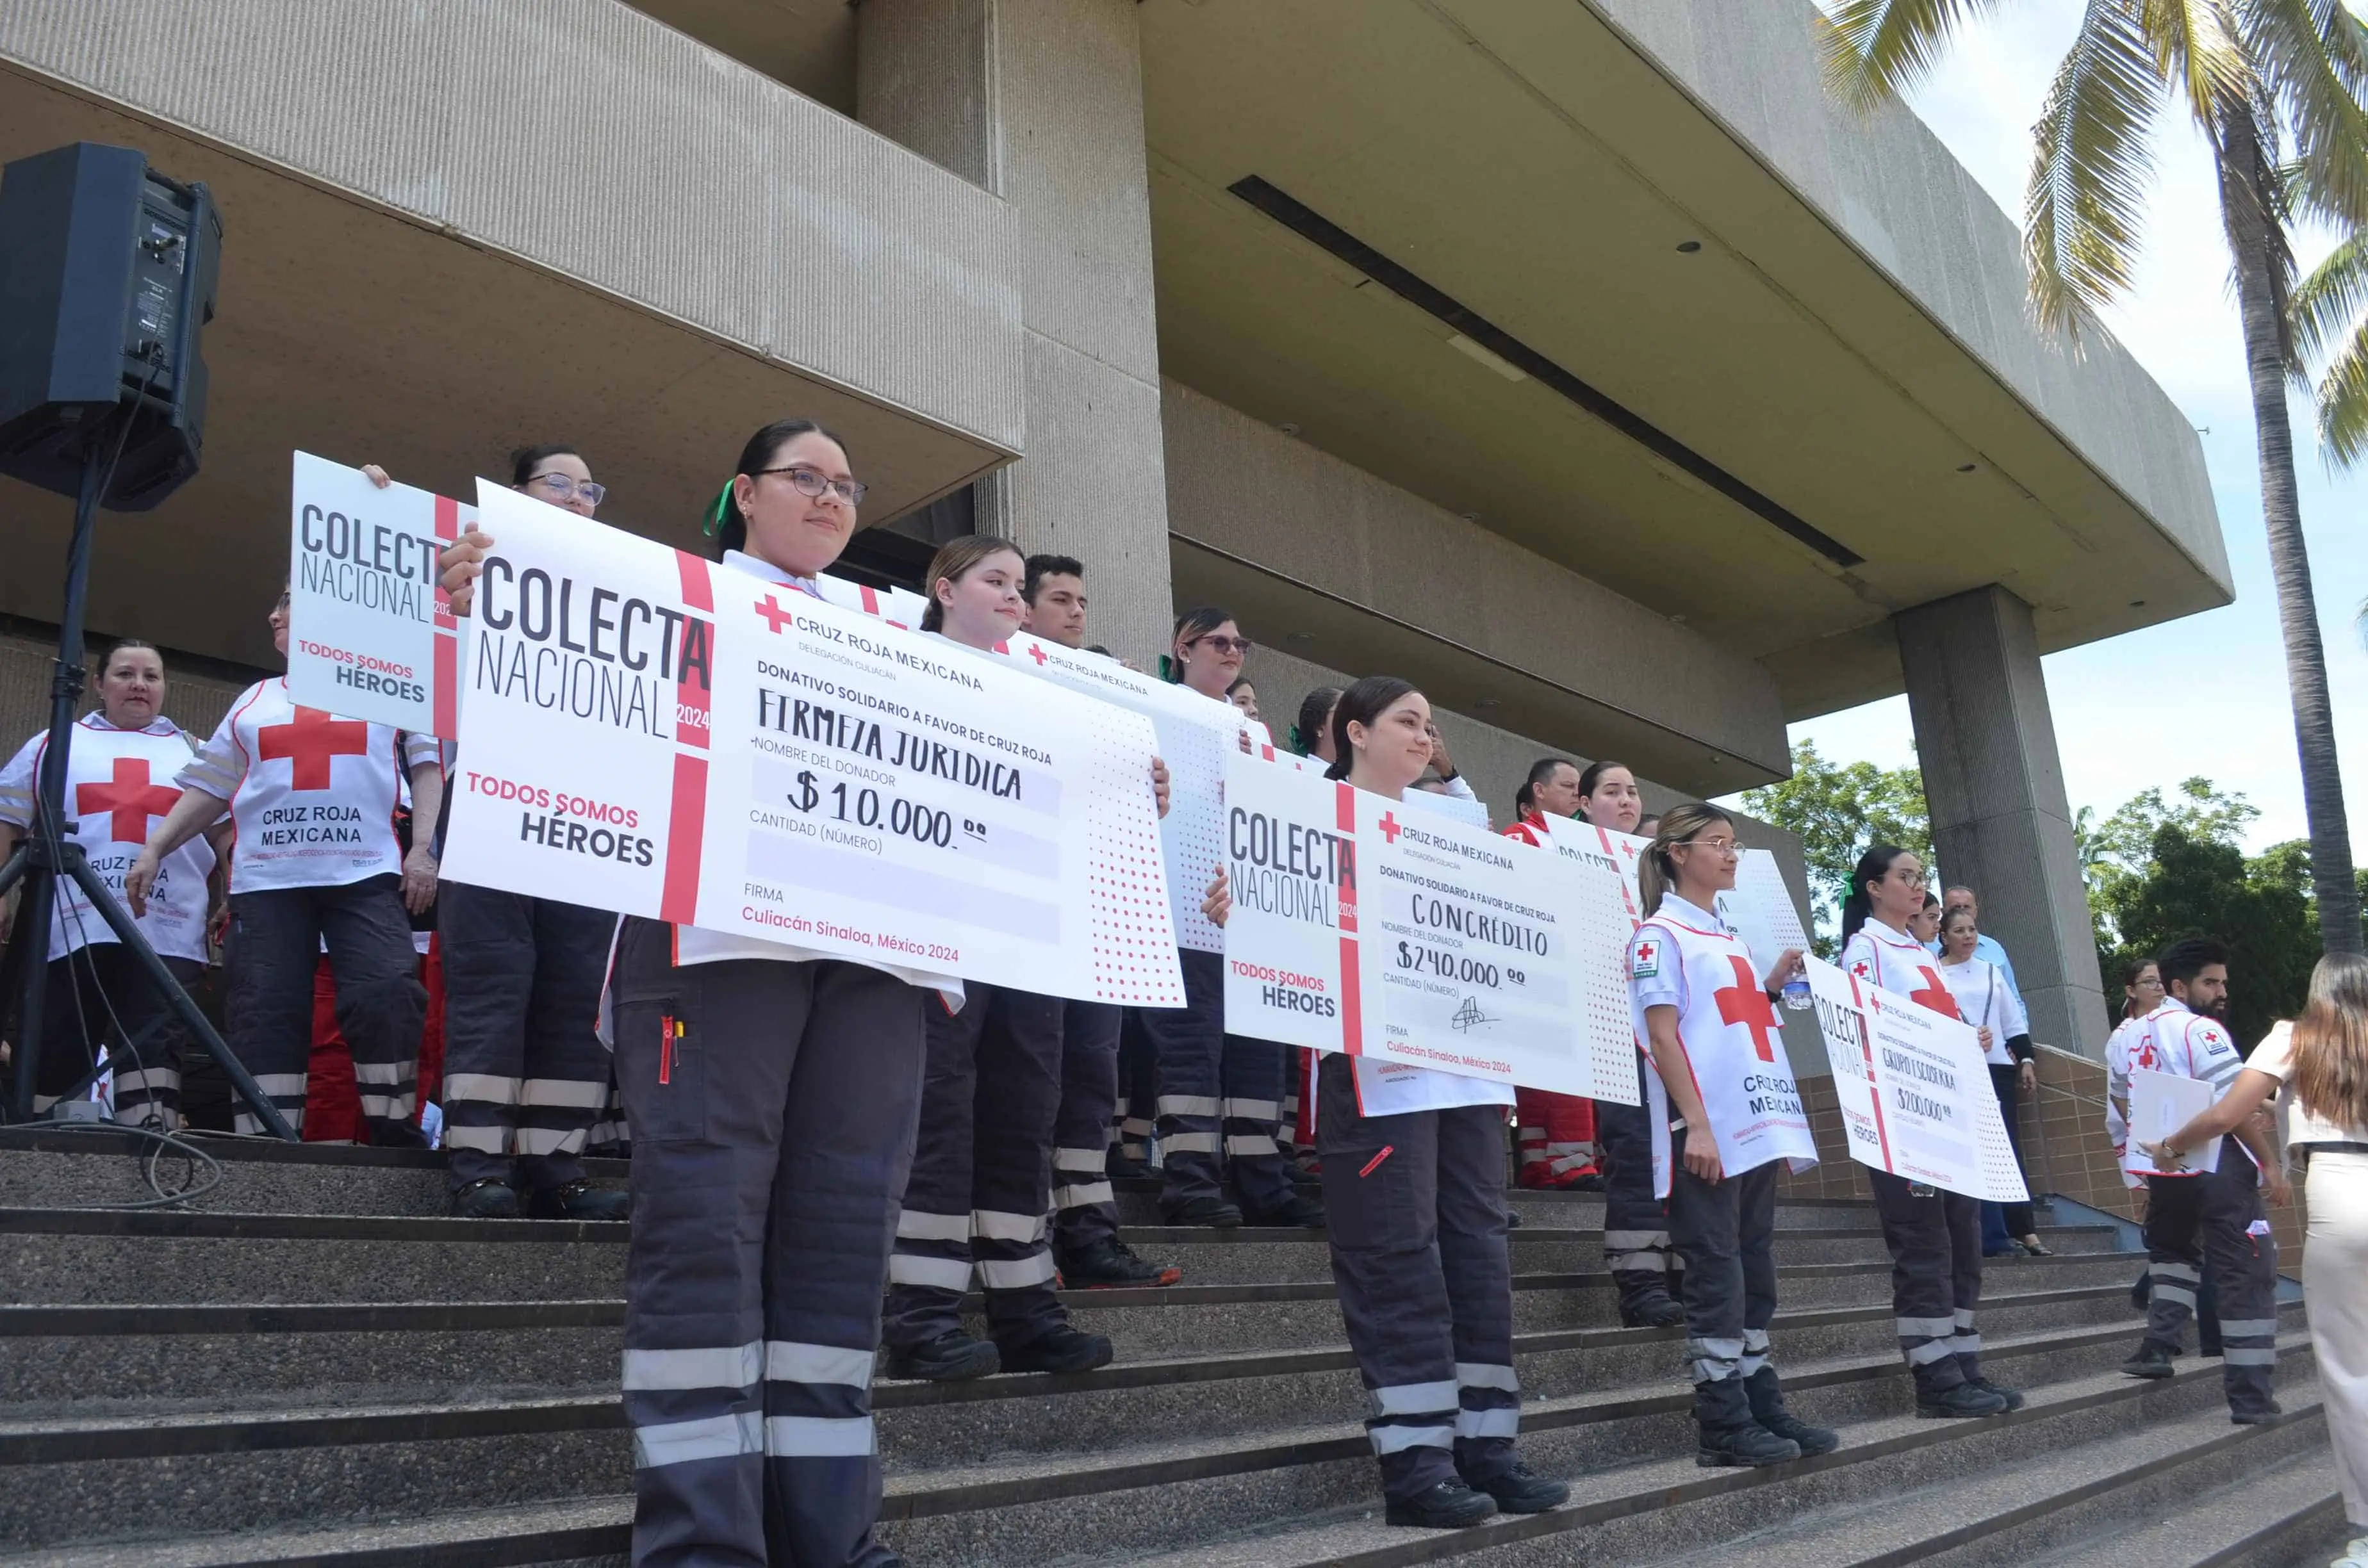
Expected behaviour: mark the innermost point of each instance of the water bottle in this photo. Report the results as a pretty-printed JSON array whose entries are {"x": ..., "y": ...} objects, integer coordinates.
[{"x": 1796, "y": 993}]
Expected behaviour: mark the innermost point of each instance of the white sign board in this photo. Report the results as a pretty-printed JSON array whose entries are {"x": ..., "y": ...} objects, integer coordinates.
[
  {"x": 1914, "y": 1093},
  {"x": 2160, "y": 1104},
  {"x": 649, "y": 732},
  {"x": 370, "y": 635}
]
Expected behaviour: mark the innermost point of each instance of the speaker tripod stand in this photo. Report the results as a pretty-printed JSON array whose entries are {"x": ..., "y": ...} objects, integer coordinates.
[{"x": 47, "y": 856}]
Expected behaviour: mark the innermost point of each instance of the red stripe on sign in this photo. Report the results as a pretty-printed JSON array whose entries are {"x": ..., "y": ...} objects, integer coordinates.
[
  {"x": 870, "y": 600},
  {"x": 447, "y": 686},
  {"x": 685, "y": 831},
  {"x": 1866, "y": 1044},
  {"x": 1352, "y": 1021},
  {"x": 447, "y": 528},
  {"x": 697, "y": 590}
]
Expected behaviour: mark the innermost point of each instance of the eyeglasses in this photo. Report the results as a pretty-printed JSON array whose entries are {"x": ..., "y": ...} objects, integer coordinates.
[
  {"x": 566, "y": 487},
  {"x": 815, "y": 483},
  {"x": 1223, "y": 644},
  {"x": 1728, "y": 847}
]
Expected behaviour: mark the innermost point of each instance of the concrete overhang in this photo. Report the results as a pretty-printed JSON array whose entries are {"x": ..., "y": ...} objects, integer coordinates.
[
  {"x": 1617, "y": 281},
  {"x": 410, "y": 278}
]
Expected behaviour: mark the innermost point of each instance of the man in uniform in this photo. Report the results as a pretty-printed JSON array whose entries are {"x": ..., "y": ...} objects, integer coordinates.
[{"x": 2211, "y": 1221}]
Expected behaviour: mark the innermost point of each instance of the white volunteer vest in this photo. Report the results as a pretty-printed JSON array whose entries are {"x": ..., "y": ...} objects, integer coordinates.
[
  {"x": 2172, "y": 1039},
  {"x": 119, "y": 787},
  {"x": 1880, "y": 956},
  {"x": 1732, "y": 1039},
  {"x": 315, "y": 795},
  {"x": 2126, "y": 1036}
]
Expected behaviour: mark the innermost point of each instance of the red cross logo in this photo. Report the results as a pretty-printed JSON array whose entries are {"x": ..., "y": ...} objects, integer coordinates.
[
  {"x": 775, "y": 616},
  {"x": 1391, "y": 827},
  {"x": 1863, "y": 971},
  {"x": 1646, "y": 949},
  {"x": 1935, "y": 995},
  {"x": 128, "y": 799},
  {"x": 310, "y": 743},
  {"x": 1036, "y": 651},
  {"x": 1629, "y": 851},
  {"x": 1745, "y": 1003}
]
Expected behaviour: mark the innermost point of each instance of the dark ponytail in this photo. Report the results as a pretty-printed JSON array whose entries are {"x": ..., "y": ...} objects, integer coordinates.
[
  {"x": 1362, "y": 704},
  {"x": 724, "y": 522},
  {"x": 1873, "y": 867},
  {"x": 1314, "y": 719}
]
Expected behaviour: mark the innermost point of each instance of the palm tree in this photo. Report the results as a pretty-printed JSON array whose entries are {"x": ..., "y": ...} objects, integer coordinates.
[{"x": 2260, "y": 78}]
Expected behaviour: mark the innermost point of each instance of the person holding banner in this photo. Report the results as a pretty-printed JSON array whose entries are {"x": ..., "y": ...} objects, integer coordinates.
[
  {"x": 1935, "y": 1235},
  {"x": 1217, "y": 1090},
  {"x": 117, "y": 761},
  {"x": 1986, "y": 999},
  {"x": 2212, "y": 1219},
  {"x": 1085, "y": 1247},
  {"x": 313, "y": 800},
  {"x": 990, "y": 1096},
  {"x": 1702, "y": 1002},
  {"x": 525, "y": 1075},
  {"x": 1418, "y": 1222},
  {"x": 1557, "y": 1136}
]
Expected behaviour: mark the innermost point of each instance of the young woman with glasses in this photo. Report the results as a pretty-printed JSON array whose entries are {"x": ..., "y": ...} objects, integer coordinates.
[
  {"x": 1935, "y": 1235},
  {"x": 525, "y": 1075}
]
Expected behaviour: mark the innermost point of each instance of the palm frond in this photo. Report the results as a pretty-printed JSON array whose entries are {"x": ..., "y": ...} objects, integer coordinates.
[
  {"x": 2091, "y": 164},
  {"x": 2328, "y": 304},
  {"x": 2198, "y": 45},
  {"x": 2312, "y": 55},
  {"x": 1878, "y": 50},
  {"x": 2343, "y": 403}
]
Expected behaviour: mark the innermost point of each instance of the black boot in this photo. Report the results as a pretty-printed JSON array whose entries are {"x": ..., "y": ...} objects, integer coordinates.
[
  {"x": 1743, "y": 1446},
  {"x": 1110, "y": 1263},
  {"x": 1294, "y": 1212},
  {"x": 1963, "y": 1401},
  {"x": 1450, "y": 1505},
  {"x": 2153, "y": 1361},
  {"x": 1767, "y": 1398},
  {"x": 579, "y": 1201},
  {"x": 2013, "y": 1397},
  {"x": 952, "y": 1356},
  {"x": 1120, "y": 1167},
  {"x": 1650, "y": 1308},
  {"x": 1213, "y": 1213},
  {"x": 490, "y": 1198},
  {"x": 1521, "y": 1490},
  {"x": 1065, "y": 1349}
]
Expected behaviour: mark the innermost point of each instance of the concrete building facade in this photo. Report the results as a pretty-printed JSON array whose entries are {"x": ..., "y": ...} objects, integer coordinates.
[{"x": 1580, "y": 361}]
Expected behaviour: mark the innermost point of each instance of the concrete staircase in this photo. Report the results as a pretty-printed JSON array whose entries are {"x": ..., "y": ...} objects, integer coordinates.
[{"x": 310, "y": 1366}]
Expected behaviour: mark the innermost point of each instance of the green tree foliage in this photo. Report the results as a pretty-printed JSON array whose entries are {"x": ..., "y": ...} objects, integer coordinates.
[
  {"x": 1838, "y": 811},
  {"x": 2193, "y": 885}
]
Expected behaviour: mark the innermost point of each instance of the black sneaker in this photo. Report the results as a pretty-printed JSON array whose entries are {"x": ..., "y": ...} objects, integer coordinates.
[
  {"x": 1659, "y": 1310},
  {"x": 1811, "y": 1441},
  {"x": 952, "y": 1358},
  {"x": 1294, "y": 1212},
  {"x": 1065, "y": 1349},
  {"x": 2151, "y": 1361},
  {"x": 2261, "y": 1417},
  {"x": 1749, "y": 1447},
  {"x": 2013, "y": 1397},
  {"x": 1302, "y": 1178},
  {"x": 1109, "y": 1265},
  {"x": 1963, "y": 1402},
  {"x": 1591, "y": 1182},
  {"x": 1213, "y": 1213},
  {"x": 579, "y": 1201},
  {"x": 1450, "y": 1505},
  {"x": 1521, "y": 1490},
  {"x": 490, "y": 1198}
]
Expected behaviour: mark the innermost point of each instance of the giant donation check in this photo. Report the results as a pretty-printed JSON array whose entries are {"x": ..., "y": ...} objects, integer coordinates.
[{"x": 647, "y": 731}]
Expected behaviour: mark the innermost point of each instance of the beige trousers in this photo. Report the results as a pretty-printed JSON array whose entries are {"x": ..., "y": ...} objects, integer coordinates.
[{"x": 2335, "y": 1284}]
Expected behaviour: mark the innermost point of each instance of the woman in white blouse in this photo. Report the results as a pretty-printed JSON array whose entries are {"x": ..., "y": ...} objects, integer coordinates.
[
  {"x": 1987, "y": 1000},
  {"x": 2317, "y": 1065}
]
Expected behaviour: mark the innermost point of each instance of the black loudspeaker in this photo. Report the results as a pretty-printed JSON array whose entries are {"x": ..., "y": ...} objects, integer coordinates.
[{"x": 107, "y": 275}]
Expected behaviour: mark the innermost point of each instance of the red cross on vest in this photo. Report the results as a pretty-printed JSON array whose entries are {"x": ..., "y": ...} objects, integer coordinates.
[
  {"x": 128, "y": 798},
  {"x": 1746, "y": 1002},
  {"x": 310, "y": 742},
  {"x": 1935, "y": 995},
  {"x": 1646, "y": 949},
  {"x": 775, "y": 616},
  {"x": 1390, "y": 828}
]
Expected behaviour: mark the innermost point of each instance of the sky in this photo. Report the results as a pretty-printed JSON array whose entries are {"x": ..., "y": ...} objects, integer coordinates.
[{"x": 2205, "y": 695}]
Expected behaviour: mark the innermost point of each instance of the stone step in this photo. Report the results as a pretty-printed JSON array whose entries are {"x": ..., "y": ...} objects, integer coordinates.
[
  {"x": 2289, "y": 1515},
  {"x": 81, "y": 1359},
  {"x": 1280, "y": 1496},
  {"x": 2199, "y": 1463},
  {"x": 1667, "y": 1507},
  {"x": 101, "y": 1256},
  {"x": 283, "y": 1465}
]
